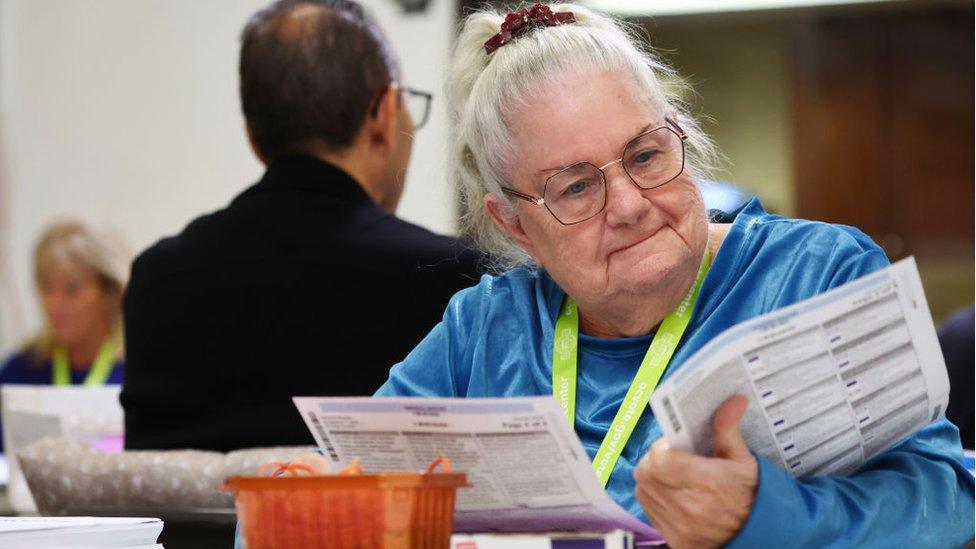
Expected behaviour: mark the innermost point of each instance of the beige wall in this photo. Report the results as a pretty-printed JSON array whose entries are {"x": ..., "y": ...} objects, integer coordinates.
[{"x": 739, "y": 67}]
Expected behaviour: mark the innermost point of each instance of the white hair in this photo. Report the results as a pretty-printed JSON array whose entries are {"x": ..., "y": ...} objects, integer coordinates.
[{"x": 483, "y": 88}]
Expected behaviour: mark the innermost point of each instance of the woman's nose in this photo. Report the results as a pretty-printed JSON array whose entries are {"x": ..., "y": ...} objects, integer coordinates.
[{"x": 626, "y": 204}]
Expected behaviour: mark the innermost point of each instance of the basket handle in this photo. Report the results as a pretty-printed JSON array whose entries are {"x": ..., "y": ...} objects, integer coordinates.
[
  {"x": 442, "y": 461},
  {"x": 284, "y": 469},
  {"x": 294, "y": 468},
  {"x": 354, "y": 468}
]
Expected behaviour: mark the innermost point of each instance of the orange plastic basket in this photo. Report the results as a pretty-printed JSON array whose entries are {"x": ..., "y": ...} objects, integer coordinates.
[{"x": 385, "y": 510}]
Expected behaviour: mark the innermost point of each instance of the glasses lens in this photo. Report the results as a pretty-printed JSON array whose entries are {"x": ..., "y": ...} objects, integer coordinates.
[
  {"x": 654, "y": 158},
  {"x": 576, "y": 193},
  {"x": 418, "y": 106}
]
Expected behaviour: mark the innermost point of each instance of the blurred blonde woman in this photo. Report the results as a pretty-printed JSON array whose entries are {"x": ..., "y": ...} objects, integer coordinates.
[{"x": 80, "y": 271}]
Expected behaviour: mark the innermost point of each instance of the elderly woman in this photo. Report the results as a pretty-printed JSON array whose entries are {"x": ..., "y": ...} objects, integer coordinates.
[
  {"x": 80, "y": 271},
  {"x": 578, "y": 166}
]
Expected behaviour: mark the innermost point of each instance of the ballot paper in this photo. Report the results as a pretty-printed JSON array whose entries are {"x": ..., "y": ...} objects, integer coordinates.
[
  {"x": 832, "y": 381},
  {"x": 527, "y": 469}
]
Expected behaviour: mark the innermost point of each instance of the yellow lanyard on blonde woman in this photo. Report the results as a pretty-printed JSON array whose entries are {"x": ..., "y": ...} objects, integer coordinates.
[
  {"x": 97, "y": 374},
  {"x": 564, "y": 352}
]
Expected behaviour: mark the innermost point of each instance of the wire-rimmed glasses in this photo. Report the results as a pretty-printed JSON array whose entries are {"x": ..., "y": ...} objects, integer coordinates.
[{"x": 578, "y": 193}]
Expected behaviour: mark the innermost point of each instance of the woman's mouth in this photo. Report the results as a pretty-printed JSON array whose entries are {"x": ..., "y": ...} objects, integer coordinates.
[{"x": 634, "y": 243}]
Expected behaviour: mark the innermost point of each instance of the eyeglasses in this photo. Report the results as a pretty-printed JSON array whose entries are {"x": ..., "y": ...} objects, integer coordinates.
[
  {"x": 417, "y": 103},
  {"x": 579, "y": 192},
  {"x": 418, "y": 106}
]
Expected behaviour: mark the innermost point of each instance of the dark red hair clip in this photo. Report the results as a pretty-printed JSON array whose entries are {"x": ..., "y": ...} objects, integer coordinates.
[{"x": 519, "y": 22}]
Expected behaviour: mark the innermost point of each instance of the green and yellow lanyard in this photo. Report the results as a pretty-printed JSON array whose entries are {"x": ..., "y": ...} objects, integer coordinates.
[
  {"x": 565, "y": 342},
  {"x": 97, "y": 374}
]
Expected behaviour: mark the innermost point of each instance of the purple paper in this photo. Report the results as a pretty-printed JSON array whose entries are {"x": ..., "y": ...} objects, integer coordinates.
[{"x": 109, "y": 443}]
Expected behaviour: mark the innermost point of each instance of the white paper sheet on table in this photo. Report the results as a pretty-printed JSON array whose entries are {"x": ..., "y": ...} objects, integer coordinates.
[
  {"x": 832, "y": 381},
  {"x": 527, "y": 469},
  {"x": 79, "y": 532}
]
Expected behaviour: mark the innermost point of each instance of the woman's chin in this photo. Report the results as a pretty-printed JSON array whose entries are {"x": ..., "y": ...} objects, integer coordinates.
[{"x": 652, "y": 273}]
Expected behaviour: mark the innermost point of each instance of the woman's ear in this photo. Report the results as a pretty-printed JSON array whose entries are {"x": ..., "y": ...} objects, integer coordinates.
[
  {"x": 506, "y": 219},
  {"x": 674, "y": 115}
]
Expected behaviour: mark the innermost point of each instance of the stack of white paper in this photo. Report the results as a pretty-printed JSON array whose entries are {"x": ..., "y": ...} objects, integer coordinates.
[{"x": 80, "y": 532}]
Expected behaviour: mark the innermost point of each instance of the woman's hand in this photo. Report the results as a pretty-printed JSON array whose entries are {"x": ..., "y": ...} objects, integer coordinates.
[{"x": 697, "y": 501}]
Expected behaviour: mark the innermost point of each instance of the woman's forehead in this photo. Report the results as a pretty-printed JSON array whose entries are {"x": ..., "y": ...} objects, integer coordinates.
[{"x": 584, "y": 116}]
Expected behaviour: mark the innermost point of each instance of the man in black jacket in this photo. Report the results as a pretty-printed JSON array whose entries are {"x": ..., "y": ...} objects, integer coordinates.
[{"x": 306, "y": 284}]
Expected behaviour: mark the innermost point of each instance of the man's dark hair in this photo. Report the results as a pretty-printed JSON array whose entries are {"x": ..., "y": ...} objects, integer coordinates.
[{"x": 310, "y": 70}]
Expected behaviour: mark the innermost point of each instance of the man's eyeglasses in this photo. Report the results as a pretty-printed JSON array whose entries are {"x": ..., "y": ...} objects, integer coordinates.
[
  {"x": 579, "y": 192},
  {"x": 418, "y": 105}
]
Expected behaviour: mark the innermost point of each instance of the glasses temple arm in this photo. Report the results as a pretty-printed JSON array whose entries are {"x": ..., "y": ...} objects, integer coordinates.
[
  {"x": 523, "y": 196},
  {"x": 681, "y": 132}
]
